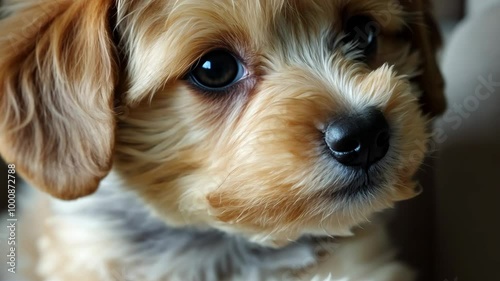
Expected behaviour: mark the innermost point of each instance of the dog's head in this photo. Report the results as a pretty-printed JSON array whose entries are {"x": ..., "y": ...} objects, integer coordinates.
[{"x": 273, "y": 118}]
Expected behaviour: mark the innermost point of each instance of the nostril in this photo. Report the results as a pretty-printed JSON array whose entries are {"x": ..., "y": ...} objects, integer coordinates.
[
  {"x": 383, "y": 139},
  {"x": 345, "y": 145}
]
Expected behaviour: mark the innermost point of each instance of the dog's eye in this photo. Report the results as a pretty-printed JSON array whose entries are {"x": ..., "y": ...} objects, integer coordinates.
[
  {"x": 216, "y": 70},
  {"x": 363, "y": 31}
]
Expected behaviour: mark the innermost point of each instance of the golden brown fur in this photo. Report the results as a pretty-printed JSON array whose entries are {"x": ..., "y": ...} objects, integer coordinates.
[
  {"x": 86, "y": 86},
  {"x": 57, "y": 75}
]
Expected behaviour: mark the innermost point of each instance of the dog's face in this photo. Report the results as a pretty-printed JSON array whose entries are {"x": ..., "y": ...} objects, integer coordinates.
[{"x": 269, "y": 118}]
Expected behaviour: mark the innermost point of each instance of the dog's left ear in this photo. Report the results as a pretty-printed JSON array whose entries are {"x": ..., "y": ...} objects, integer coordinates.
[
  {"x": 426, "y": 37},
  {"x": 57, "y": 80}
]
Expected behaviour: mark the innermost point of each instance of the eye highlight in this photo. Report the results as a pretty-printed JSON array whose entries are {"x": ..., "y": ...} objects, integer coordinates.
[
  {"x": 216, "y": 71},
  {"x": 363, "y": 31}
]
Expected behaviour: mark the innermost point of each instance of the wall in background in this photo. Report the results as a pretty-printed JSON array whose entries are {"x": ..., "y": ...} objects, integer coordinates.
[{"x": 449, "y": 9}]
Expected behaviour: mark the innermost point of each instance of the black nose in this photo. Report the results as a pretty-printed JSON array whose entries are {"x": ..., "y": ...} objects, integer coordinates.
[{"x": 359, "y": 140}]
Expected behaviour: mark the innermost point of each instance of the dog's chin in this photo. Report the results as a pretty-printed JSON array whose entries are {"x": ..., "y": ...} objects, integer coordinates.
[
  {"x": 280, "y": 240},
  {"x": 369, "y": 182},
  {"x": 356, "y": 207},
  {"x": 339, "y": 209}
]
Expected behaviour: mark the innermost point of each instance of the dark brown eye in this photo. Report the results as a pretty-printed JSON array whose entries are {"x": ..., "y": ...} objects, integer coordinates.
[
  {"x": 216, "y": 70},
  {"x": 362, "y": 31}
]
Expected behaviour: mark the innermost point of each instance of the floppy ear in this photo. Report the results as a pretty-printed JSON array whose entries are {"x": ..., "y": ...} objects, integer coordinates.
[
  {"x": 57, "y": 79},
  {"x": 426, "y": 38}
]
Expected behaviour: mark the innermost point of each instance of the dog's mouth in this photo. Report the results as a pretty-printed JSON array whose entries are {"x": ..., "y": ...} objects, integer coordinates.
[
  {"x": 363, "y": 183},
  {"x": 354, "y": 191}
]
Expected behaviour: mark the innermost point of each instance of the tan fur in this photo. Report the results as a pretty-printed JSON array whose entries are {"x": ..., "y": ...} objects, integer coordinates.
[
  {"x": 250, "y": 163},
  {"x": 57, "y": 77}
]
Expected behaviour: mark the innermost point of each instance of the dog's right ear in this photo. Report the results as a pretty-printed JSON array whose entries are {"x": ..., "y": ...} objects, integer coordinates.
[
  {"x": 57, "y": 80},
  {"x": 426, "y": 38}
]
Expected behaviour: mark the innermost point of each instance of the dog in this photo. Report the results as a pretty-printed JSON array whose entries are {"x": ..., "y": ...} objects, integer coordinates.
[{"x": 215, "y": 140}]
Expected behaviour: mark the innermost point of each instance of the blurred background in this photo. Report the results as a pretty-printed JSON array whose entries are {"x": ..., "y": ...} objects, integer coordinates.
[{"x": 452, "y": 231}]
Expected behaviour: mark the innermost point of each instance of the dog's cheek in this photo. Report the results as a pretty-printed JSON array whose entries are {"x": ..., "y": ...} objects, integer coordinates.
[
  {"x": 410, "y": 139},
  {"x": 163, "y": 153},
  {"x": 264, "y": 210}
]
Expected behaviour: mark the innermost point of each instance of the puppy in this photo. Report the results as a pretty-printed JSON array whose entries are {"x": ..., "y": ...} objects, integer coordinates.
[{"x": 229, "y": 139}]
